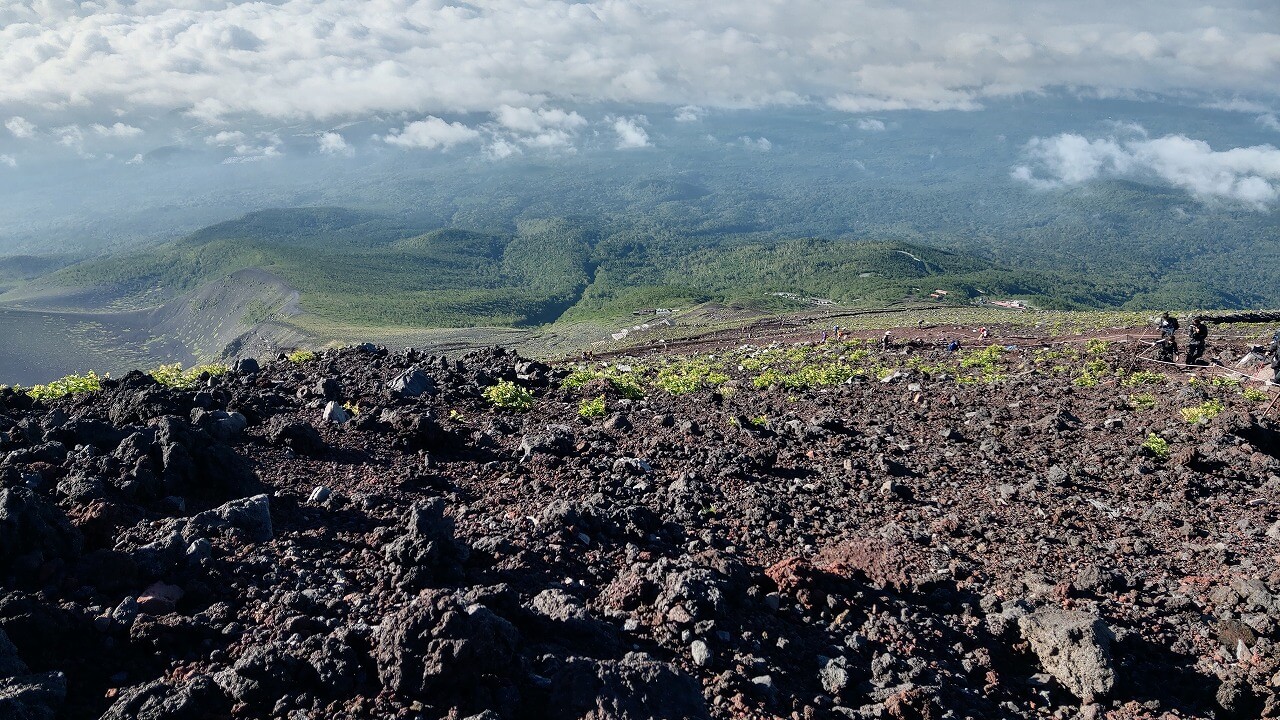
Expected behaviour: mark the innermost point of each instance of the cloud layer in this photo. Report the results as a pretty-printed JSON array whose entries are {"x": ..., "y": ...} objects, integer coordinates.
[
  {"x": 327, "y": 59},
  {"x": 1248, "y": 176}
]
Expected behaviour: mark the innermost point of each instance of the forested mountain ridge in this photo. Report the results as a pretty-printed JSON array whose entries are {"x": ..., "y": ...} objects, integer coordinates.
[{"x": 361, "y": 268}]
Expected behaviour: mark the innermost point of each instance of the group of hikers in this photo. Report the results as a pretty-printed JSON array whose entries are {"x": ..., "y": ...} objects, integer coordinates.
[
  {"x": 1197, "y": 333},
  {"x": 1167, "y": 345}
]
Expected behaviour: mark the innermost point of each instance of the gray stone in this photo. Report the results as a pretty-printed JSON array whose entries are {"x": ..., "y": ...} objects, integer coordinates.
[
  {"x": 834, "y": 676},
  {"x": 1074, "y": 647},
  {"x": 335, "y": 413},
  {"x": 32, "y": 697},
  {"x": 700, "y": 653},
  {"x": 252, "y": 515},
  {"x": 198, "y": 698},
  {"x": 634, "y": 688},
  {"x": 412, "y": 383}
]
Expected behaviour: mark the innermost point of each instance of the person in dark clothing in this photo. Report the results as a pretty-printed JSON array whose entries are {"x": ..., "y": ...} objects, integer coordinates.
[
  {"x": 1166, "y": 348},
  {"x": 1196, "y": 335},
  {"x": 1274, "y": 351},
  {"x": 1168, "y": 325}
]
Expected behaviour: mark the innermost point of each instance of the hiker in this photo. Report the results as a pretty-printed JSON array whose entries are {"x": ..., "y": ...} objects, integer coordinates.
[
  {"x": 1166, "y": 348},
  {"x": 983, "y": 334},
  {"x": 1274, "y": 351},
  {"x": 1196, "y": 335},
  {"x": 1168, "y": 325},
  {"x": 885, "y": 342},
  {"x": 953, "y": 346},
  {"x": 824, "y": 336}
]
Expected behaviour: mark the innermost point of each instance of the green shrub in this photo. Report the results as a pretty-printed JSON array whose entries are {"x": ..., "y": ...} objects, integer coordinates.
[
  {"x": 175, "y": 377},
  {"x": 508, "y": 396},
  {"x": 591, "y": 408},
  {"x": 1225, "y": 382},
  {"x": 1157, "y": 446},
  {"x": 1096, "y": 347},
  {"x": 1207, "y": 410},
  {"x": 628, "y": 384},
  {"x": 1143, "y": 401},
  {"x": 69, "y": 385},
  {"x": 984, "y": 358},
  {"x": 301, "y": 356},
  {"x": 1254, "y": 394},
  {"x": 686, "y": 376},
  {"x": 1143, "y": 377}
]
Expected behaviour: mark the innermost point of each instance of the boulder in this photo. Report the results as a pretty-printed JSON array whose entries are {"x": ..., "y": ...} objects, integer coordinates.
[
  {"x": 335, "y": 413},
  {"x": 554, "y": 440},
  {"x": 438, "y": 644},
  {"x": 196, "y": 699},
  {"x": 297, "y": 436},
  {"x": 33, "y": 531},
  {"x": 426, "y": 550},
  {"x": 1074, "y": 647},
  {"x": 637, "y": 687},
  {"x": 32, "y": 697},
  {"x": 412, "y": 383}
]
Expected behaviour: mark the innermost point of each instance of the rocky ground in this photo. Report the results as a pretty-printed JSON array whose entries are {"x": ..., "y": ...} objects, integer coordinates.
[{"x": 913, "y": 543}]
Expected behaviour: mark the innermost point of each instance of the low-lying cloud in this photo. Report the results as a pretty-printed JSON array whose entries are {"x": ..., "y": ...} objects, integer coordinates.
[
  {"x": 322, "y": 59},
  {"x": 630, "y": 133},
  {"x": 332, "y": 143},
  {"x": 431, "y": 134},
  {"x": 1248, "y": 176}
]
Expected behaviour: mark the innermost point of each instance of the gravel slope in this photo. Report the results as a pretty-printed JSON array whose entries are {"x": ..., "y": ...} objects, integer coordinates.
[{"x": 908, "y": 544}]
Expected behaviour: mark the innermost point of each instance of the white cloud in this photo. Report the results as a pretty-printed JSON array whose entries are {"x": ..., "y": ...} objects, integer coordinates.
[
  {"x": 1238, "y": 105},
  {"x": 630, "y": 134},
  {"x": 540, "y": 128},
  {"x": 1269, "y": 121},
  {"x": 762, "y": 143},
  {"x": 1249, "y": 176},
  {"x": 71, "y": 136},
  {"x": 8, "y": 161},
  {"x": 135, "y": 160},
  {"x": 689, "y": 113},
  {"x": 118, "y": 130},
  {"x": 20, "y": 127},
  {"x": 870, "y": 125},
  {"x": 501, "y": 149},
  {"x": 354, "y": 58},
  {"x": 251, "y": 154},
  {"x": 267, "y": 146},
  {"x": 226, "y": 138},
  {"x": 535, "y": 121},
  {"x": 332, "y": 143},
  {"x": 432, "y": 133}
]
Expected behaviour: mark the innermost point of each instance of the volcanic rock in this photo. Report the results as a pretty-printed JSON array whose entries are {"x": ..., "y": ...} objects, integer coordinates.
[{"x": 1074, "y": 647}]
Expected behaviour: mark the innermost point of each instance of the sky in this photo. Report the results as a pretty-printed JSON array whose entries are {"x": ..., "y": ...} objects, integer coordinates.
[{"x": 105, "y": 77}]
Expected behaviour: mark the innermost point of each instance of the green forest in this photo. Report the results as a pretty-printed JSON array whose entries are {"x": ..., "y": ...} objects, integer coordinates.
[{"x": 368, "y": 269}]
